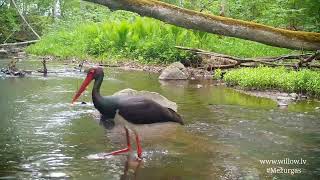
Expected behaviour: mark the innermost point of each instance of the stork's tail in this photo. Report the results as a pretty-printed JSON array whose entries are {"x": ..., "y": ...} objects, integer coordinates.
[{"x": 176, "y": 117}]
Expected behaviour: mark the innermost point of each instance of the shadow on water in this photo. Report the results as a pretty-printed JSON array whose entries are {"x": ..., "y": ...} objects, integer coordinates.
[{"x": 225, "y": 136}]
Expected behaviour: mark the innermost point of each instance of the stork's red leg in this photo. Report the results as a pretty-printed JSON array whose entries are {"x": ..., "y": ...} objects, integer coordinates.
[
  {"x": 139, "y": 148},
  {"x": 127, "y": 149}
]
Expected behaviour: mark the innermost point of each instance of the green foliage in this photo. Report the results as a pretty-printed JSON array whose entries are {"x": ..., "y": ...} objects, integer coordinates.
[
  {"x": 9, "y": 23},
  {"x": 144, "y": 39},
  {"x": 303, "y": 81},
  {"x": 217, "y": 74},
  {"x": 289, "y": 14}
]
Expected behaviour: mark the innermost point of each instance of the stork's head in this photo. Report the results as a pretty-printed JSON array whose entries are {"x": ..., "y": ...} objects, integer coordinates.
[{"x": 92, "y": 73}]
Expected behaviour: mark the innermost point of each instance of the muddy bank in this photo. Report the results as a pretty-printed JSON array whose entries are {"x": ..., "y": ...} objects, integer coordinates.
[
  {"x": 283, "y": 99},
  {"x": 194, "y": 73}
]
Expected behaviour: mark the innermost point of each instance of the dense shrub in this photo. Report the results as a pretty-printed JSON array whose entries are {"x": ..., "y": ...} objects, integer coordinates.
[
  {"x": 303, "y": 81},
  {"x": 144, "y": 39}
]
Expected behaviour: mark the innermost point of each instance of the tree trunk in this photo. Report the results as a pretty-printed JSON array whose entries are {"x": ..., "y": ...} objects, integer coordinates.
[
  {"x": 223, "y": 8},
  {"x": 56, "y": 9},
  {"x": 216, "y": 24},
  {"x": 181, "y": 3},
  {"x": 11, "y": 4}
]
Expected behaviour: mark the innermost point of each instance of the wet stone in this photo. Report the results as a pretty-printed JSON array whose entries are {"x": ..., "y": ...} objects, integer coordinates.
[
  {"x": 3, "y": 53},
  {"x": 303, "y": 97},
  {"x": 282, "y": 104},
  {"x": 284, "y": 98},
  {"x": 294, "y": 95},
  {"x": 11, "y": 72},
  {"x": 175, "y": 71},
  {"x": 15, "y": 50}
]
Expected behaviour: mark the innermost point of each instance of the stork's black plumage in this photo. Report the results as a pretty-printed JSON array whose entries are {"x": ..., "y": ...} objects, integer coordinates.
[{"x": 134, "y": 109}]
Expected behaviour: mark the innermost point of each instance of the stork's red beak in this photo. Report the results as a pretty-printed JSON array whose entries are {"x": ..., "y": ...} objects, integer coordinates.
[{"x": 83, "y": 86}]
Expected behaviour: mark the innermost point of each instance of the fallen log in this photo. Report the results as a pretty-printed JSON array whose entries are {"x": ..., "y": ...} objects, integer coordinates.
[
  {"x": 268, "y": 61},
  {"x": 109, "y": 65},
  {"x": 307, "y": 60},
  {"x": 18, "y": 43},
  {"x": 294, "y": 56}
]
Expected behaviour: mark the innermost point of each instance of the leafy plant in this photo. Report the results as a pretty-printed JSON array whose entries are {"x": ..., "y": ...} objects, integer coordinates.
[
  {"x": 303, "y": 81},
  {"x": 143, "y": 39},
  {"x": 217, "y": 74}
]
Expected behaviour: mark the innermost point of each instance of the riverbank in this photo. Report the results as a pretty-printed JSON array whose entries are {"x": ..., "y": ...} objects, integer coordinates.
[
  {"x": 281, "y": 97},
  {"x": 131, "y": 65},
  {"x": 231, "y": 78},
  {"x": 305, "y": 81}
]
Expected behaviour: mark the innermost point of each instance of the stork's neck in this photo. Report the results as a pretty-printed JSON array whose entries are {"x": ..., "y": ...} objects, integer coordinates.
[
  {"x": 96, "y": 89},
  {"x": 105, "y": 105}
]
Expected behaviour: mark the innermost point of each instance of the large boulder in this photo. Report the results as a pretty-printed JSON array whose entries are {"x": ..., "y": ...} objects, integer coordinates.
[
  {"x": 175, "y": 71},
  {"x": 163, "y": 101}
]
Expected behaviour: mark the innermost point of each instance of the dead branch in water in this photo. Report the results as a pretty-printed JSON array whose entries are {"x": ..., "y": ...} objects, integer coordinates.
[{"x": 44, "y": 63}]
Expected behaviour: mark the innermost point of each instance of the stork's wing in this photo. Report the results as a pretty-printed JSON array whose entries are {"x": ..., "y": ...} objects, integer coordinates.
[{"x": 139, "y": 110}]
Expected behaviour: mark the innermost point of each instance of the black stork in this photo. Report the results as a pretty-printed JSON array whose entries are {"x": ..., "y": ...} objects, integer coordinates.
[{"x": 135, "y": 110}]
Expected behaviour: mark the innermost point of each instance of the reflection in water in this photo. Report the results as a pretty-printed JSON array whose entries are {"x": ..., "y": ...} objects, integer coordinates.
[
  {"x": 131, "y": 164},
  {"x": 225, "y": 136}
]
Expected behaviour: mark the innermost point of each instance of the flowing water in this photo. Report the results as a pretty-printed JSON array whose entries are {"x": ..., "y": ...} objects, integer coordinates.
[{"x": 225, "y": 136}]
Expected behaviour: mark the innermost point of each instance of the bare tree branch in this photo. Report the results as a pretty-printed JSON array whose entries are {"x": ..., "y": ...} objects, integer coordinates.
[
  {"x": 24, "y": 19},
  {"x": 18, "y": 43},
  {"x": 306, "y": 58}
]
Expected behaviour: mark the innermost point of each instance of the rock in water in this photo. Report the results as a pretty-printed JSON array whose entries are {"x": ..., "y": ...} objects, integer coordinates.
[
  {"x": 284, "y": 101},
  {"x": 294, "y": 95},
  {"x": 284, "y": 98},
  {"x": 163, "y": 101},
  {"x": 3, "y": 53},
  {"x": 175, "y": 71},
  {"x": 178, "y": 65}
]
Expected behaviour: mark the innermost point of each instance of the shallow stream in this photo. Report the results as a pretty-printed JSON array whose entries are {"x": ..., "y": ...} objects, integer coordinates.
[{"x": 225, "y": 136}]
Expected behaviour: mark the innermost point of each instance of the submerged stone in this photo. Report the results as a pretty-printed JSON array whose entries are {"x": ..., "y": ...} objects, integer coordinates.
[
  {"x": 284, "y": 98},
  {"x": 282, "y": 104}
]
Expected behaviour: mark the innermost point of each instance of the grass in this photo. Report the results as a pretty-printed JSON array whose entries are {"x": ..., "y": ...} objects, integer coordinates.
[
  {"x": 151, "y": 41},
  {"x": 143, "y": 39},
  {"x": 304, "y": 81}
]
